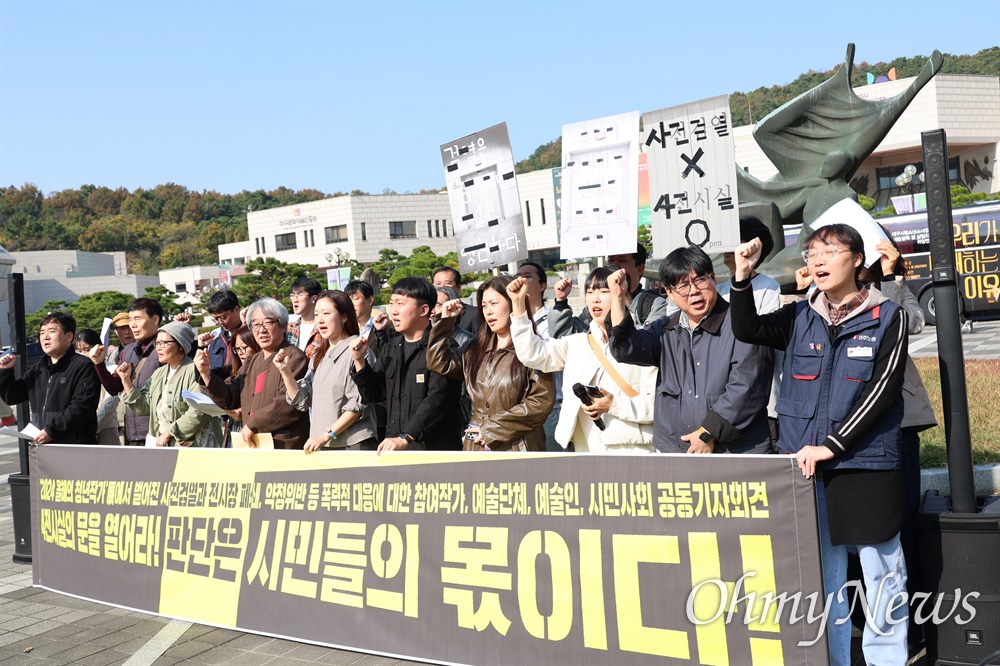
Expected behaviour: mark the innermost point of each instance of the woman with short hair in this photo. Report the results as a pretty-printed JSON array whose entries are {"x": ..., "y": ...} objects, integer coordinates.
[
  {"x": 841, "y": 410},
  {"x": 171, "y": 420},
  {"x": 258, "y": 389}
]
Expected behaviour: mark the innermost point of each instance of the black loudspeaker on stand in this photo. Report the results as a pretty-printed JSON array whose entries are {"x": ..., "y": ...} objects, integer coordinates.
[{"x": 959, "y": 536}]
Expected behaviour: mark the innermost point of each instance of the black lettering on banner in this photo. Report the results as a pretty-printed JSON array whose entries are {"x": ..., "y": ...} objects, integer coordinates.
[{"x": 663, "y": 203}]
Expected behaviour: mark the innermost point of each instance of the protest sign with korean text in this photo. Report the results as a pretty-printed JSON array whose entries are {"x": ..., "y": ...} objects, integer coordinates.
[
  {"x": 692, "y": 176},
  {"x": 482, "y": 192},
  {"x": 600, "y": 179}
]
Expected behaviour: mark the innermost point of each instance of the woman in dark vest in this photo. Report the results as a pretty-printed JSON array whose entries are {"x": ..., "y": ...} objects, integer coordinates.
[{"x": 840, "y": 411}]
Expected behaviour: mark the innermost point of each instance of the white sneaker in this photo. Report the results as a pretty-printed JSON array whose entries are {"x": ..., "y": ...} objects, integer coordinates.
[{"x": 967, "y": 327}]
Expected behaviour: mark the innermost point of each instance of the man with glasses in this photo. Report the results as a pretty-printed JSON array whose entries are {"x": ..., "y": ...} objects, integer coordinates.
[
  {"x": 301, "y": 331},
  {"x": 713, "y": 390},
  {"x": 224, "y": 306},
  {"x": 446, "y": 276},
  {"x": 144, "y": 317}
]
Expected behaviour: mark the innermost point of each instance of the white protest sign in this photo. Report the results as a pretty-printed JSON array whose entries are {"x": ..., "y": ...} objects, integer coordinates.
[
  {"x": 849, "y": 212},
  {"x": 600, "y": 187},
  {"x": 485, "y": 206},
  {"x": 692, "y": 176}
]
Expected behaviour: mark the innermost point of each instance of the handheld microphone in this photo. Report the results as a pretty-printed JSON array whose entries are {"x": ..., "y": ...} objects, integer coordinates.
[{"x": 581, "y": 392}]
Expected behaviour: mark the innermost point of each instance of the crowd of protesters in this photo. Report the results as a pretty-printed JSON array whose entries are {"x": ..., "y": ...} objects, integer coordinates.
[{"x": 628, "y": 375}]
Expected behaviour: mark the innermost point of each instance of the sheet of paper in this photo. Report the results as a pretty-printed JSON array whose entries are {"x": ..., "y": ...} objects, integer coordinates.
[
  {"x": 106, "y": 331},
  {"x": 851, "y": 213},
  {"x": 150, "y": 439},
  {"x": 264, "y": 441},
  {"x": 14, "y": 432},
  {"x": 202, "y": 403},
  {"x": 31, "y": 431}
]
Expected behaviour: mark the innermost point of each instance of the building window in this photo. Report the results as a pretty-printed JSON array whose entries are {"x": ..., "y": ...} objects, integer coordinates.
[
  {"x": 429, "y": 234},
  {"x": 263, "y": 245},
  {"x": 337, "y": 234},
  {"x": 437, "y": 228},
  {"x": 284, "y": 242},
  {"x": 256, "y": 242},
  {"x": 541, "y": 203},
  {"x": 179, "y": 287},
  {"x": 364, "y": 232},
  {"x": 527, "y": 208},
  {"x": 305, "y": 238},
  {"x": 403, "y": 229},
  {"x": 444, "y": 226}
]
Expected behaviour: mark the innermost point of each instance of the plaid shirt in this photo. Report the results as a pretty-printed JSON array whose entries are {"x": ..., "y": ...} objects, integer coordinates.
[
  {"x": 292, "y": 336},
  {"x": 839, "y": 312}
]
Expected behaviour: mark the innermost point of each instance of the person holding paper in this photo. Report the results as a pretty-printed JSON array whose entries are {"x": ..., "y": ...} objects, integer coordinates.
[
  {"x": 841, "y": 408},
  {"x": 144, "y": 318},
  {"x": 172, "y": 421},
  {"x": 61, "y": 388},
  {"x": 509, "y": 401},
  {"x": 107, "y": 412},
  {"x": 625, "y": 403},
  {"x": 340, "y": 419},
  {"x": 258, "y": 389}
]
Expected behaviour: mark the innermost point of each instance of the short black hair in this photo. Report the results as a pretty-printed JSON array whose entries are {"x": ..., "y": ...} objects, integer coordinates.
[
  {"x": 222, "y": 301},
  {"x": 308, "y": 285},
  {"x": 63, "y": 319},
  {"x": 538, "y": 268},
  {"x": 418, "y": 288},
  {"x": 363, "y": 286},
  {"x": 598, "y": 278},
  {"x": 640, "y": 255},
  {"x": 147, "y": 305},
  {"x": 677, "y": 265},
  {"x": 458, "y": 276},
  {"x": 750, "y": 228},
  {"x": 88, "y": 336}
]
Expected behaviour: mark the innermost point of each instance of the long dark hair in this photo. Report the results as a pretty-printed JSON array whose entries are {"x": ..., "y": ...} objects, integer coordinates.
[
  {"x": 344, "y": 307},
  {"x": 245, "y": 335},
  {"x": 476, "y": 352}
]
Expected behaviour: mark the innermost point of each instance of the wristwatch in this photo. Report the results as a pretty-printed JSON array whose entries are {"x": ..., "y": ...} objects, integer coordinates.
[
  {"x": 409, "y": 438},
  {"x": 706, "y": 436}
]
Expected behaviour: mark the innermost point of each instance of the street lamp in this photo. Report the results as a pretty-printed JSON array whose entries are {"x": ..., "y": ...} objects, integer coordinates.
[{"x": 910, "y": 182}]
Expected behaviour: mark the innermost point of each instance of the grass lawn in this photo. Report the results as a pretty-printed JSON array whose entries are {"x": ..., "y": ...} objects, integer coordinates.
[{"x": 982, "y": 380}]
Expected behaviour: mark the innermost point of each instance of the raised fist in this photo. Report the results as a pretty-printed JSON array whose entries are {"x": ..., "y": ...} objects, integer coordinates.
[{"x": 563, "y": 287}]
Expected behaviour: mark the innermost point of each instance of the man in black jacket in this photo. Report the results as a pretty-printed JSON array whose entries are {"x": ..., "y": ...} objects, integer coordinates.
[
  {"x": 422, "y": 406},
  {"x": 61, "y": 389}
]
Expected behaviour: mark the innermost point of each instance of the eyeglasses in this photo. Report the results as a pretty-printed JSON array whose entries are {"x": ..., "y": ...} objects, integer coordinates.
[
  {"x": 161, "y": 344},
  {"x": 684, "y": 288},
  {"x": 260, "y": 325},
  {"x": 242, "y": 349},
  {"x": 827, "y": 254},
  {"x": 527, "y": 278}
]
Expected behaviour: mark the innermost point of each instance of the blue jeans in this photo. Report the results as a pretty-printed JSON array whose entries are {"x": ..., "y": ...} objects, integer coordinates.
[{"x": 885, "y": 583}]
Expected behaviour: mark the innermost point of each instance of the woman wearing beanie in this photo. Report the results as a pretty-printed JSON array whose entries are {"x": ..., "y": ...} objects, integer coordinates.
[{"x": 171, "y": 420}]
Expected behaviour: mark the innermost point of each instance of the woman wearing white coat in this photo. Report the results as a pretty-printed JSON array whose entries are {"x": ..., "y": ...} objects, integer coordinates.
[{"x": 628, "y": 420}]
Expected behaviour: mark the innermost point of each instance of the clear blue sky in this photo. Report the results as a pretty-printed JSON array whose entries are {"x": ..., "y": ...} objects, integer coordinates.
[{"x": 344, "y": 95}]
